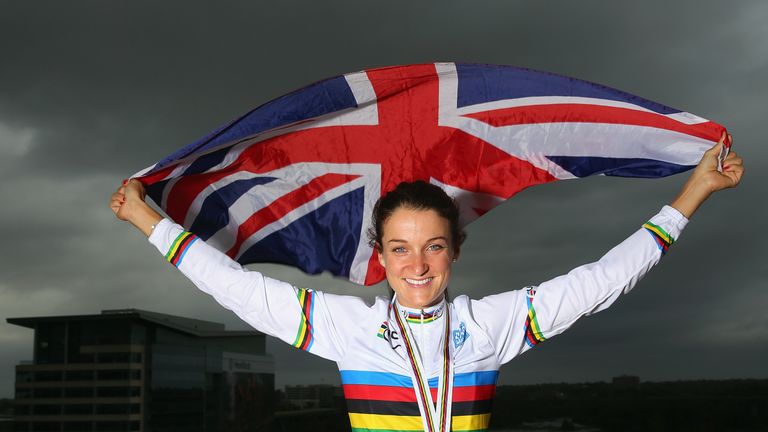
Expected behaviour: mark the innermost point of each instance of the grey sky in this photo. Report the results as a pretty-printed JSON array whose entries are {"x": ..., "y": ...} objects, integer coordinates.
[{"x": 91, "y": 92}]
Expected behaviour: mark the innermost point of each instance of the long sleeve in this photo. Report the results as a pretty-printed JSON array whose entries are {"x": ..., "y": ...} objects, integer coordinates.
[
  {"x": 517, "y": 320},
  {"x": 302, "y": 317}
]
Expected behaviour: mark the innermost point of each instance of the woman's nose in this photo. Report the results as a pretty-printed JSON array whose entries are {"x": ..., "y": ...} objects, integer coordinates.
[{"x": 419, "y": 265}]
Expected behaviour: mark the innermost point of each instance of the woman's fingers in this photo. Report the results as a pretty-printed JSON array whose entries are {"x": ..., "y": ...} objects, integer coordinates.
[
  {"x": 734, "y": 172},
  {"x": 733, "y": 159},
  {"x": 117, "y": 200}
]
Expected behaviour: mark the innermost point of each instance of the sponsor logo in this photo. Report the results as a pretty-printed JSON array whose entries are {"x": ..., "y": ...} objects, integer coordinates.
[{"x": 460, "y": 336}]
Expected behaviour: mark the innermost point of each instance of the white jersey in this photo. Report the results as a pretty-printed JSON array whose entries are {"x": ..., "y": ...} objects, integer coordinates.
[{"x": 366, "y": 342}]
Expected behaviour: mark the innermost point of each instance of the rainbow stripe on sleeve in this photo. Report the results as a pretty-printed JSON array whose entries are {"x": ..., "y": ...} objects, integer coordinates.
[
  {"x": 662, "y": 238},
  {"x": 179, "y": 248},
  {"x": 533, "y": 333},
  {"x": 383, "y": 401},
  {"x": 305, "y": 335}
]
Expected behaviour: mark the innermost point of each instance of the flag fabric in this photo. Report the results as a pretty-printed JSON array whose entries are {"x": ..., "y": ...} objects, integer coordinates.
[{"x": 294, "y": 180}]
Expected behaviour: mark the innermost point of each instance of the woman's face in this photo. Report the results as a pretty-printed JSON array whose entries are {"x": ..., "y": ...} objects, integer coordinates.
[{"x": 417, "y": 253}]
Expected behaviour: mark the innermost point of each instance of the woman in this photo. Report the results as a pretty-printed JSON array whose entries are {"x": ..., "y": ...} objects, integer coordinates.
[{"x": 416, "y": 361}]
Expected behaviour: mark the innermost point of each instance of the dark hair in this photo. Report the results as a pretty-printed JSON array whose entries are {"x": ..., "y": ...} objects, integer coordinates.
[{"x": 417, "y": 195}]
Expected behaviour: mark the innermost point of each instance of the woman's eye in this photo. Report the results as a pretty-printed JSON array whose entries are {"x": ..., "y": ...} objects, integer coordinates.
[
  {"x": 398, "y": 249},
  {"x": 435, "y": 247}
]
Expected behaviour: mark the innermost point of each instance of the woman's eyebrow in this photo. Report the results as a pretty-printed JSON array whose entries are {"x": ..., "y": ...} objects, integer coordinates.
[
  {"x": 438, "y": 238},
  {"x": 428, "y": 240}
]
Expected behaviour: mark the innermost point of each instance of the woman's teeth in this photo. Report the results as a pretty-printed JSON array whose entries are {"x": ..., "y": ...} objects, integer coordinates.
[{"x": 418, "y": 282}]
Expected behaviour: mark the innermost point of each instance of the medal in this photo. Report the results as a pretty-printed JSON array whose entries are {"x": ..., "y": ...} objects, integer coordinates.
[{"x": 435, "y": 414}]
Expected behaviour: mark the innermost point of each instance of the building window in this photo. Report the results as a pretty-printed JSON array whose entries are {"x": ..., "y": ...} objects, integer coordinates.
[
  {"x": 118, "y": 391},
  {"x": 22, "y": 409},
  {"x": 112, "y": 374},
  {"x": 24, "y": 377},
  {"x": 23, "y": 393},
  {"x": 81, "y": 409},
  {"x": 104, "y": 332},
  {"x": 78, "y": 392},
  {"x": 47, "y": 409},
  {"x": 46, "y": 426},
  {"x": 114, "y": 357},
  {"x": 112, "y": 409},
  {"x": 47, "y": 376},
  {"x": 47, "y": 392},
  {"x": 85, "y": 375},
  {"x": 49, "y": 346},
  {"x": 77, "y": 426},
  {"x": 117, "y": 426}
]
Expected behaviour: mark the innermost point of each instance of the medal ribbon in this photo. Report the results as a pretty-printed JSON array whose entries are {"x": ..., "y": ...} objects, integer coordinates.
[{"x": 436, "y": 417}]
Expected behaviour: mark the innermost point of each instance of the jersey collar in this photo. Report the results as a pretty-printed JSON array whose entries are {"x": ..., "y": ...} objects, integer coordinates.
[{"x": 421, "y": 316}]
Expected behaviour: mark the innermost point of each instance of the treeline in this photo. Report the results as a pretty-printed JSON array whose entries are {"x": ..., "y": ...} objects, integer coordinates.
[{"x": 731, "y": 405}]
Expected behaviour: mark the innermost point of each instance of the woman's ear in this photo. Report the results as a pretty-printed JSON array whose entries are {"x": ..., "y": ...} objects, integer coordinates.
[
  {"x": 379, "y": 251},
  {"x": 456, "y": 253}
]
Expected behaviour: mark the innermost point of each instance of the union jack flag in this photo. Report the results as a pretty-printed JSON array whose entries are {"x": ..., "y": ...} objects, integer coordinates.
[{"x": 294, "y": 180}]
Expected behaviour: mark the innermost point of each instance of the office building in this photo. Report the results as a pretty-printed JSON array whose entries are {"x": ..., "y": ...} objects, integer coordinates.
[{"x": 135, "y": 370}]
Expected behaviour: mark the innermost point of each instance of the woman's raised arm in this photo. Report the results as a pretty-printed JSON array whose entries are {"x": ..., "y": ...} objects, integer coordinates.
[{"x": 304, "y": 318}]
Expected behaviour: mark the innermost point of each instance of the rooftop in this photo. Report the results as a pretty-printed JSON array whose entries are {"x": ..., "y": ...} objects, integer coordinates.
[{"x": 196, "y": 327}]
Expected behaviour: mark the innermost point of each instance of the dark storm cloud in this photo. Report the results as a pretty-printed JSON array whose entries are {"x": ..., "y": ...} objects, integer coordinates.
[{"x": 91, "y": 92}]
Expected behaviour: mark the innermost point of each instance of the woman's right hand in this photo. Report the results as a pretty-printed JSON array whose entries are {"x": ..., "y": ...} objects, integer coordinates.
[{"x": 128, "y": 205}]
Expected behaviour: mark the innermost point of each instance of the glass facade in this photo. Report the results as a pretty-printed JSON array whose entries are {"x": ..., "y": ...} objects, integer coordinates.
[
  {"x": 126, "y": 372},
  {"x": 50, "y": 343}
]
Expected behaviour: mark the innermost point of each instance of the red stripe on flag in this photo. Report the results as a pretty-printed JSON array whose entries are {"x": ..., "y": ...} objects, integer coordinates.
[
  {"x": 157, "y": 175},
  {"x": 286, "y": 204},
  {"x": 583, "y": 113}
]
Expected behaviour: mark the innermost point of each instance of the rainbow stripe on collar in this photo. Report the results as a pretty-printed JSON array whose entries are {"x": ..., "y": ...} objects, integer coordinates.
[{"x": 423, "y": 317}]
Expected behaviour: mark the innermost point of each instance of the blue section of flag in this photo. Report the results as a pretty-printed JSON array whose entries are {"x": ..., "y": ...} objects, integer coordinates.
[
  {"x": 583, "y": 166},
  {"x": 206, "y": 162},
  {"x": 334, "y": 226},
  {"x": 318, "y": 99},
  {"x": 214, "y": 213},
  {"x": 486, "y": 83},
  {"x": 155, "y": 191}
]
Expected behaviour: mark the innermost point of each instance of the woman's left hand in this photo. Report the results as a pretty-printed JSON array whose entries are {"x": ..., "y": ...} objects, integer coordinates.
[
  {"x": 707, "y": 179},
  {"x": 707, "y": 172}
]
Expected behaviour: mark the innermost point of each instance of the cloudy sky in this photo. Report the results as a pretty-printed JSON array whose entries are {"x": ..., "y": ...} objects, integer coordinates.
[{"x": 91, "y": 92}]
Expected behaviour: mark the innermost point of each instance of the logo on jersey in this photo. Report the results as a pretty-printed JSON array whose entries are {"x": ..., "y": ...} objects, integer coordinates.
[
  {"x": 460, "y": 335},
  {"x": 388, "y": 335},
  {"x": 384, "y": 329},
  {"x": 530, "y": 291}
]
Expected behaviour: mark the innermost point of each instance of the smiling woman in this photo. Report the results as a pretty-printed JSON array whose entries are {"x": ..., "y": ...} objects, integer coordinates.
[
  {"x": 417, "y": 361},
  {"x": 417, "y": 235}
]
